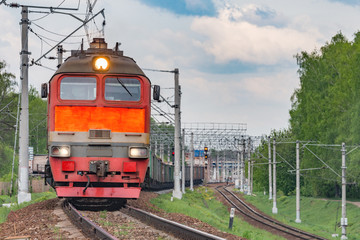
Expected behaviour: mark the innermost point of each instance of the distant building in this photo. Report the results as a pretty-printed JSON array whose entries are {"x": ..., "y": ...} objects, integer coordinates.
[{"x": 37, "y": 165}]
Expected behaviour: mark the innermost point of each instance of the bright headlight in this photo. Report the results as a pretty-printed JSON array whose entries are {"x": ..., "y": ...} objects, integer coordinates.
[
  {"x": 60, "y": 151},
  {"x": 101, "y": 64},
  {"x": 138, "y": 152}
]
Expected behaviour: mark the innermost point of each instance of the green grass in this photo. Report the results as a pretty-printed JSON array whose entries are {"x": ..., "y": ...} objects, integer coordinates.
[
  {"x": 35, "y": 197},
  {"x": 201, "y": 204},
  {"x": 317, "y": 216}
]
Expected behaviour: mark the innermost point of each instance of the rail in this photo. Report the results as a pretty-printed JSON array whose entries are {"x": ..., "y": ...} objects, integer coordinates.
[
  {"x": 252, "y": 214},
  {"x": 176, "y": 229},
  {"x": 88, "y": 227}
]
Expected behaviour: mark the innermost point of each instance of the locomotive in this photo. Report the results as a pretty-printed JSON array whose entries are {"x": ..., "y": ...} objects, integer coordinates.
[{"x": 98, "y": 126}]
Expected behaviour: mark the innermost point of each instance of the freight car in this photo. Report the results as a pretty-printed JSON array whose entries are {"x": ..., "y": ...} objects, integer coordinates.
[
  {"x": 98, "y": 126},
  {"x": 160, "y": 175}
]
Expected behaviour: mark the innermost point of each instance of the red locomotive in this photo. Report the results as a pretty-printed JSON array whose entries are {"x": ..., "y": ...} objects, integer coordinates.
[{"x": 98, "y": 125}]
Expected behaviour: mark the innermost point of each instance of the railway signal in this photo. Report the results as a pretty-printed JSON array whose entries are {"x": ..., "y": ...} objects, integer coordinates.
[{"x": 206, "y": 152}]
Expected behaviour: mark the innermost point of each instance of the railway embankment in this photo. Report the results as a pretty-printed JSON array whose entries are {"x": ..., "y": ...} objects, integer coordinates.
[
  {"x": 318, "y": 216},
  {"x": 201, "y": 209}
]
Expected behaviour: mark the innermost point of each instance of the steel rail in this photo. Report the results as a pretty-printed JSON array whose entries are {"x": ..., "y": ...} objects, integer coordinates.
[
  {"x": 177, "y": 229},
  {"x": 88, "y": 227},
  {"x": 272, "y": 220},
  {"x": 260, "y": 218}
]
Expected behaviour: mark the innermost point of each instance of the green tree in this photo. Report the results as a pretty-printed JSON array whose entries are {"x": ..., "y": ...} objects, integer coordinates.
[
  {"x": 37, "y": 122},
  {"x": 8, "y": 103},
  {"x": 326, "y": 108}
]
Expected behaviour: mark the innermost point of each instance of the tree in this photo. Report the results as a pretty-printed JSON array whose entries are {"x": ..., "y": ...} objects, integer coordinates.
[
  {"x": 8, "y": 103},
  {"x": 326, "y": 108}
]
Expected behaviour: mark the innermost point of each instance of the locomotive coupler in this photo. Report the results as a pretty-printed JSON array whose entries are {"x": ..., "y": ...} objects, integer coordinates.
[{"x": 100, "y": 168}]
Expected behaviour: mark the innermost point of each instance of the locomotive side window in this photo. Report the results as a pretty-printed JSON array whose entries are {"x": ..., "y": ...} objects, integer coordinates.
[
  {"x": 122, "y": 89},
  {"x": 78, "y": 88}
]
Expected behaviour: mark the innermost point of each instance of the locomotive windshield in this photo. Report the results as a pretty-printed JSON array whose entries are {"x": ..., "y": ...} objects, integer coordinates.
[
  {"x": 78, "y": 88},
  {"x": 122, "y": 89}
]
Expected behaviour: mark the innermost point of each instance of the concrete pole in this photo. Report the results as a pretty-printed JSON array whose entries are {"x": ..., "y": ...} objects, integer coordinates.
[
  {"x": 24, "y": 195},
  {"x": 192, "y": 163},
  {"x": 252, "y": 176},
  {"x": 223, "y": 165},
  {"x": 183, "y": 162},
  {"x": 270, "y": 170},
  {"x": 242, "y": 167},
  {"x": 60, "y": 55},
  {"x": 242, "y": 182},
  {"x": 217, "y": 167},
  {"x": 209, "y": 166},
  {"x": 177, "y": 192},
  {"x": 344, "y": 221},
  {"x": 249, "y": 168},
  {"x": 238, "y": 170},
  {"x": 297, "y": 220},
  {"x": 274, "y": 209},
  {"x": 233, "y": 167}
]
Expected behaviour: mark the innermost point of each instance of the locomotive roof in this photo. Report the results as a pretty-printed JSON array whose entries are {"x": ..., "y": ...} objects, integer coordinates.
[{"x": 81, "y": 61}]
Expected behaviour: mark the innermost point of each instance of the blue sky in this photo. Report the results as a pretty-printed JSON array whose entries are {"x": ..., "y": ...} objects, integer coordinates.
[
  {"x": 185, "y": 7},
  {"x": 236, "y": 58}
]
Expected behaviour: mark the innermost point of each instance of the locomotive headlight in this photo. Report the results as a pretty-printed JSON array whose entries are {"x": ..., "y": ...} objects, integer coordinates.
[
  {"x": 60, "y": 151},
  {"x": 138, "y": 152},
  {"x": 101, "y": 64}
]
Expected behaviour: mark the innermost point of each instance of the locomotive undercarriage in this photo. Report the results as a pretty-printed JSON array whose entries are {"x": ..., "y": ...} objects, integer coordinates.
[{"x": 96, "y": 204}]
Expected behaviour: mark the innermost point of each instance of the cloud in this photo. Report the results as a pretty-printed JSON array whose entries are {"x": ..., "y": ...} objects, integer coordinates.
[
  {"x": 229, "y": 37},
  {"x": 277, "y": 87},
  {"x": 258, "y": 15}
]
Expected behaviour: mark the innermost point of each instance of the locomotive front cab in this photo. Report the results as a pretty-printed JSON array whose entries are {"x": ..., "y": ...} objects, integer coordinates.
[{"x": 98, "y": 125}]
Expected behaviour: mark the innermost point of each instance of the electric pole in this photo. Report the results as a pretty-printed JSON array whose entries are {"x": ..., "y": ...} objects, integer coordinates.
[
  {"x": 242, "y": 170},
  {"x": 238, "y": 170},
  {"x": 249, "y": 168},
  {"x": 343, "y": 195},
  {"x": 270, "y": 170},
  {"x": 274, "y": 209},
  {"x": 217, "y": 167},
  {"x": 60, "y": 51},
  {"x": 183, "y": 162},
  {"x": 177, "y": 192},
  {"x": 223, "y": 169},
  {"x": 24, "y": 195},
  {"x": 192, "y": 163},
  {"x": 297, "y": 220}
]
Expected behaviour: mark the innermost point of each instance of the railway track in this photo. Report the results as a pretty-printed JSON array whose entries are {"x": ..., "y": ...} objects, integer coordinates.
[
  {"x": 93, "y": 231},
  {"x": 270, "y": 224},
  {"x": 89, "y": 228}
]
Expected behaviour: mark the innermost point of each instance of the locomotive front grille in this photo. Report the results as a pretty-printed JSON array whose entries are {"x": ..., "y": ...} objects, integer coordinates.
[{"x": 100, "y": 133}]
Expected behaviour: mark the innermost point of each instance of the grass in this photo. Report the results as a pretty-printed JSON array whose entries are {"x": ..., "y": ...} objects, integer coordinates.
[
  {"x": 103, "y": 214},
  {"x": 317, "y": 216},
  {"x": 57, "y": 233},
  {"x": 35, "y": 197},
  {"x": 201, "y": 204},
  {"x": 105, "y": 223}
]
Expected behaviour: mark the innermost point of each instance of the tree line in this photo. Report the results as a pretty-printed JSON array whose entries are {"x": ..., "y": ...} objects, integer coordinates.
[
  {"x": 9, "y": 99},
  {"x": 325, "y": 113}
]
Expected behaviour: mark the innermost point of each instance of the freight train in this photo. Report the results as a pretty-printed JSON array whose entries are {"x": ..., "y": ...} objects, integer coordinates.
[
  {"x": 160, "y": 175},
  {"x": 98, "y": 126}
]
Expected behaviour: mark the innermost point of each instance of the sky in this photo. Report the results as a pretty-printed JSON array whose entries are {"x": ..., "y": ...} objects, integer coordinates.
[{"x": 236, "y": 58}]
